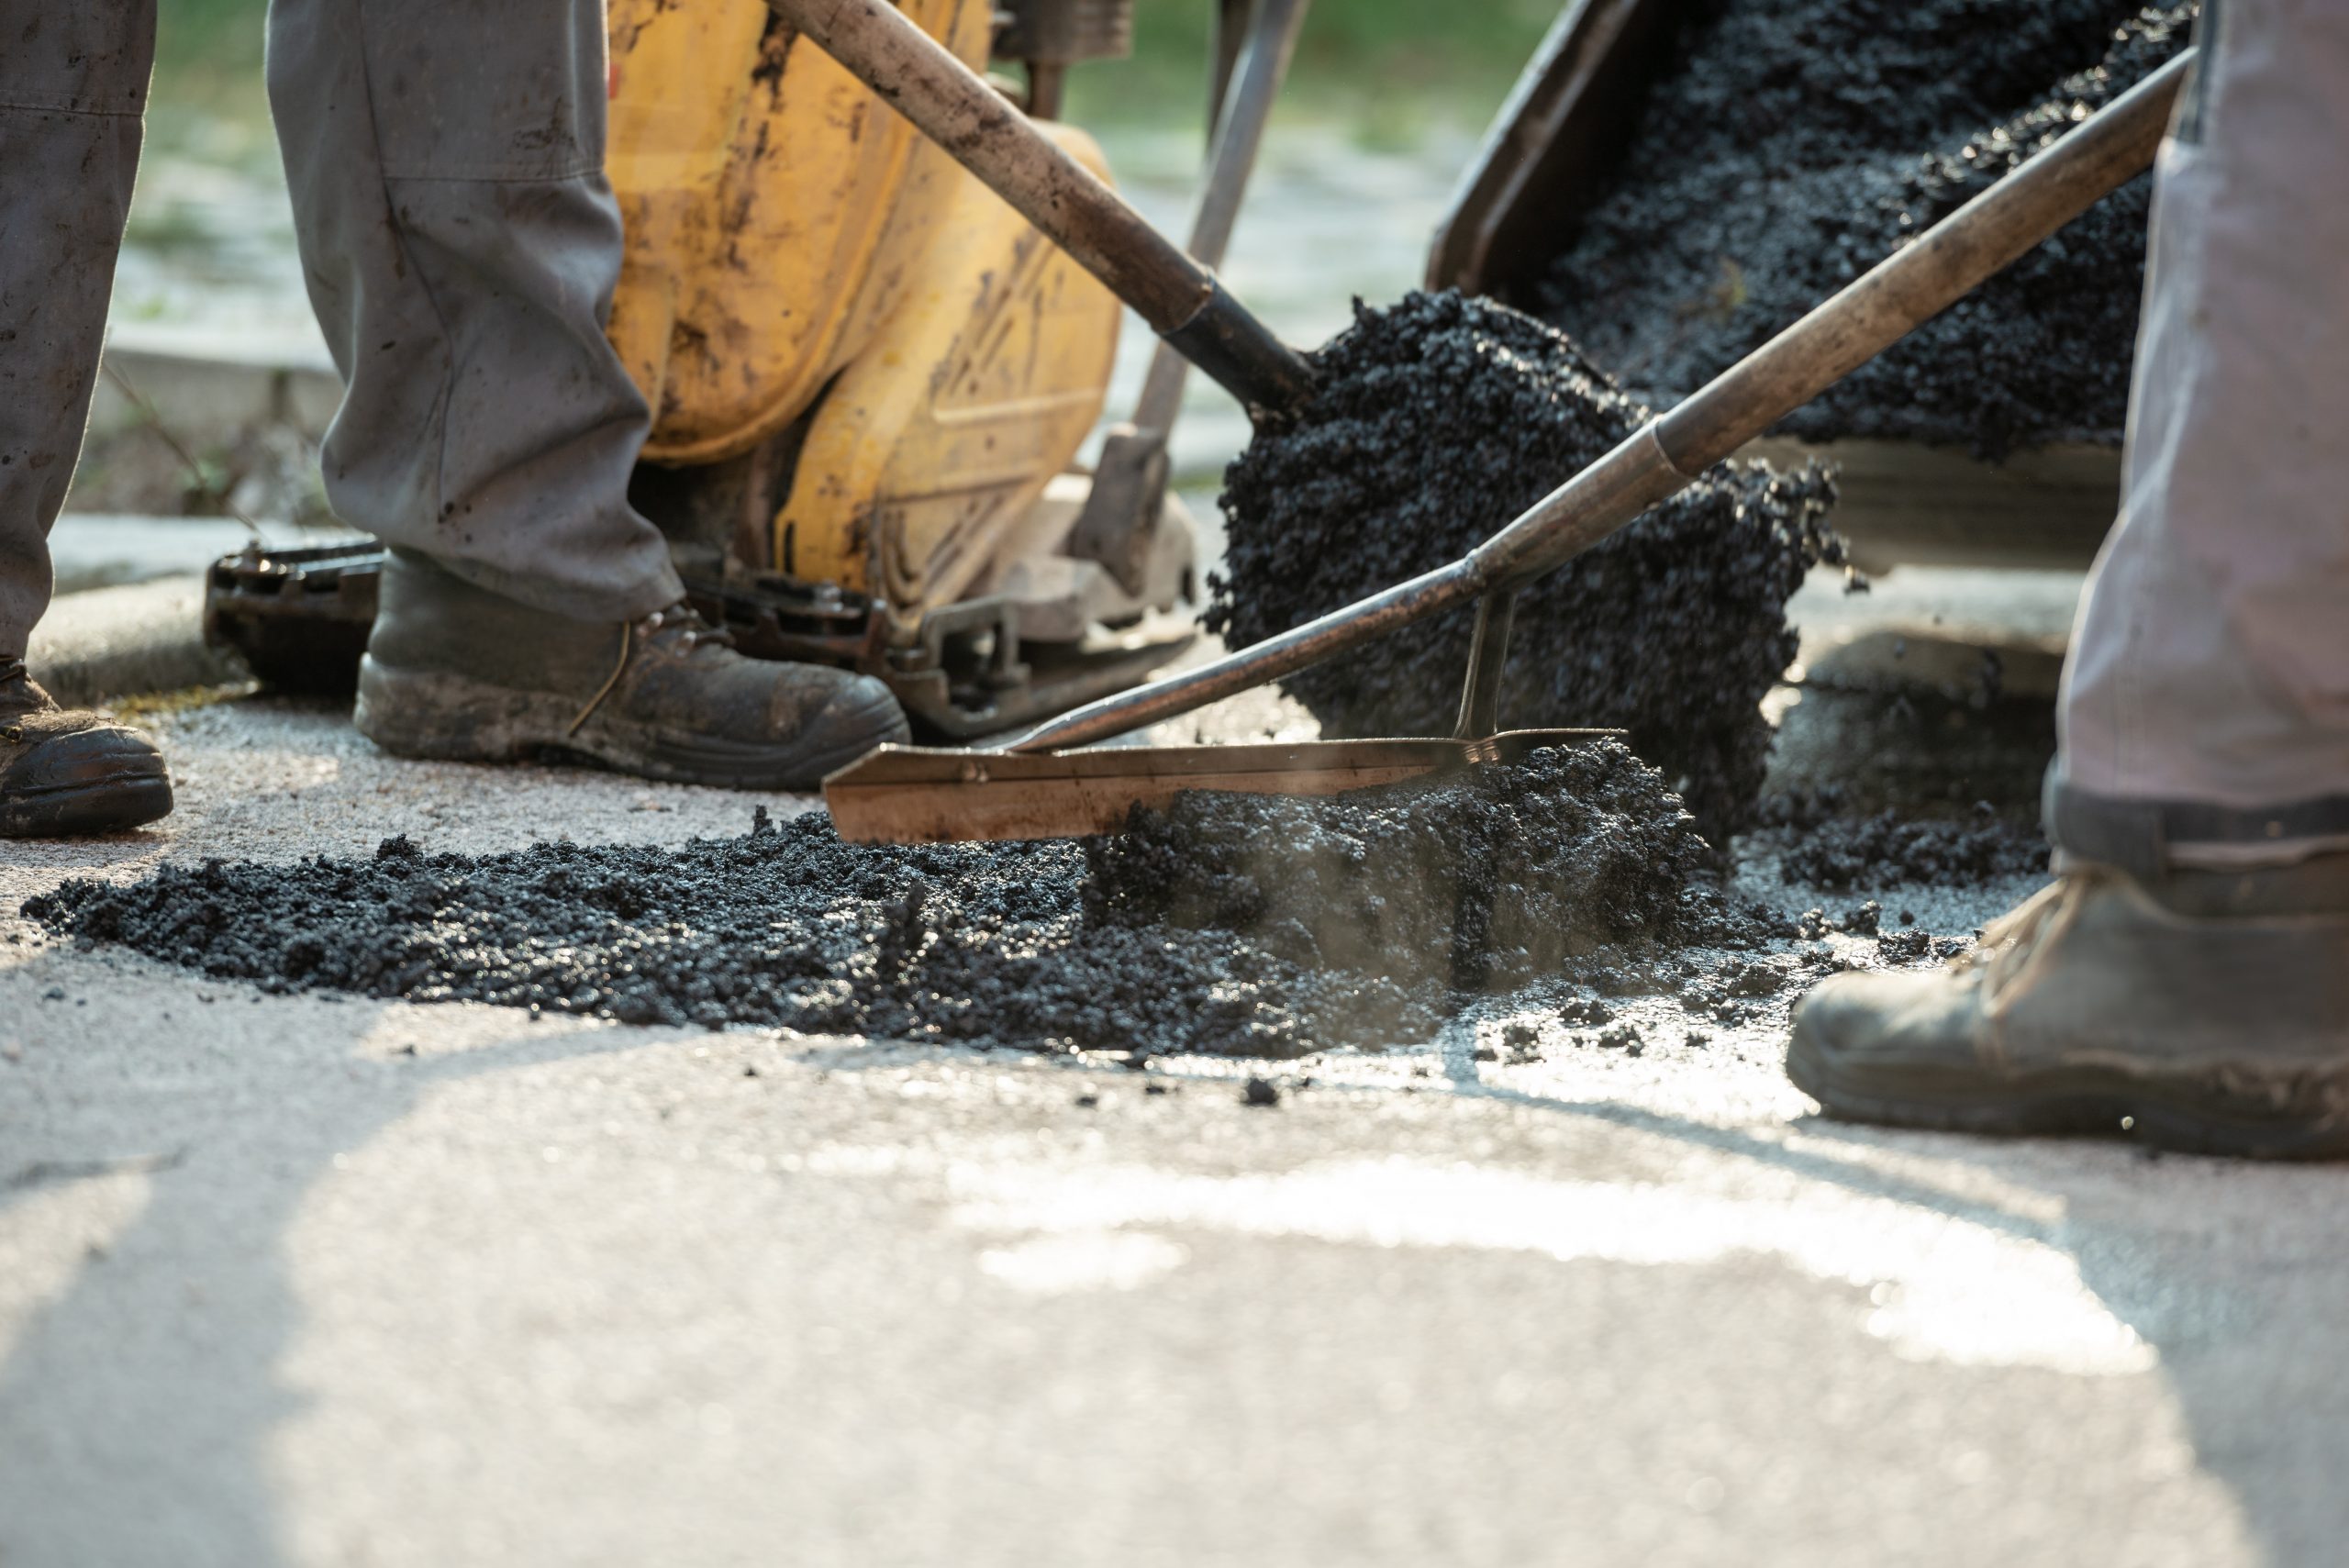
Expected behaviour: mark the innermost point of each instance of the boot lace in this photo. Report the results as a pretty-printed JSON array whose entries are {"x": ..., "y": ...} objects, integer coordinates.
[
  {"x": 18, "y": 696},
  {"x": 683, "y": 625},
  {"x": 2008, "y": 954},
  {"x": 679, "y": 625}
]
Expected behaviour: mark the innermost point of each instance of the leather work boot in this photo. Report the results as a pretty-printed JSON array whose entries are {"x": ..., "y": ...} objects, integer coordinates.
[
  {"x": 453, "y": 671},
  {"x": 2207, "y": 1012},
  {"x": 66, "y": 771}
]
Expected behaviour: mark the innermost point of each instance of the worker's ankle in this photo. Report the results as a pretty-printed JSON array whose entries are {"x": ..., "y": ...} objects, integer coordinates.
[
  {"x": 2206, "y": 859},
  {"x": 428, "y": 618},
  {"x": 18, "y": 691},
  {"x": 2317, "y": 885}
]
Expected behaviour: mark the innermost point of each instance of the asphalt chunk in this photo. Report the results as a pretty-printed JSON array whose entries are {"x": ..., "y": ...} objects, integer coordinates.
[{"x": 1438, "y": 420}]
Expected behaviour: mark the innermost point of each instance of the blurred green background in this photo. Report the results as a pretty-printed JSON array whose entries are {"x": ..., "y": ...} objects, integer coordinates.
[
  {"x": 207, "y": 55},
  {"x": 1382, "y": 64}
]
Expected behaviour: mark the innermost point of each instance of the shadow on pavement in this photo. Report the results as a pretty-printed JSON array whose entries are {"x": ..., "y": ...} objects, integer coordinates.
[{"x": 137, "y": 1405}]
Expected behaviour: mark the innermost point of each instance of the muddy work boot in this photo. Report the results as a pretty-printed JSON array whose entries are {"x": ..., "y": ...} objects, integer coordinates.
[
  {"x": 456, "y": 673},
  {"x": 66, "y": 771},
  {"x": 2208, "y": 1012}
]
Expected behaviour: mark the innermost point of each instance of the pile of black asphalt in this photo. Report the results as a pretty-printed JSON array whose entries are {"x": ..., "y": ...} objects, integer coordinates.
[
  {"x": 1787, "y": 146},
  {"x": 1230, "y": 924},
  {"x": 1895, "y": 847},
  {"x": 1439, "y": 420}
]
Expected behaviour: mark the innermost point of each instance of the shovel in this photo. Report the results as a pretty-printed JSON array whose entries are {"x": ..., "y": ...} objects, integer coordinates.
[{"x": 1041, "y": 786}]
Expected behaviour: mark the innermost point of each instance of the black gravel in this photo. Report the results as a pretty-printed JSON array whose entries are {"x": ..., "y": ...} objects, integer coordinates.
[
  {"x": 1227, "y": 924},
  {"x": 1438, "y": 420},
  {"x": 1788, "y": 145},
  {"x": 1496, "y": 876},
  {"x": 1892, "y": 848}
]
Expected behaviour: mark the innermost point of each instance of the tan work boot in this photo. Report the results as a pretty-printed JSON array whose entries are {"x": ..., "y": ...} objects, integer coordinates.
[
  {"x": 2208, "y": 1012},
  {"x": 456, "y": 673},
  {"x": 65, "y": 772}
]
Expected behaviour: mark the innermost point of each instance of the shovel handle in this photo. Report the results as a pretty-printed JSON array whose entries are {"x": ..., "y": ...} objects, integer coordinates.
[
  {"x": 1071, "y": 206},
  {"x": 1667, "y": 453}
]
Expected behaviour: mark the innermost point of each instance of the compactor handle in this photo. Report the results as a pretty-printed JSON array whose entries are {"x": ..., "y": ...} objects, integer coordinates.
[{"x": 953, "y": 106}]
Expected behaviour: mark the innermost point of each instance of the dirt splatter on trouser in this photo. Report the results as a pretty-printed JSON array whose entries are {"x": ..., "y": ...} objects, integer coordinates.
[
  {"x": 72, "y": 89},
  {"x": 2205, "y": 715},
  {"x": 459, "y": 243}
]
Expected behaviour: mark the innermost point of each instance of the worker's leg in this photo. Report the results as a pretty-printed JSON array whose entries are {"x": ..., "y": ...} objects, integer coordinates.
[
  {"x": 2205, "y": 715},
  {"x": 72, "y": 89},
  {"x": 461, "y": 245},
  {"x": 2188, "y": 975}
]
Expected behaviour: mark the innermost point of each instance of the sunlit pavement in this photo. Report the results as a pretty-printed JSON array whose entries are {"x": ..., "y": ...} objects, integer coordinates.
[{"x": 331, "y": 1281}]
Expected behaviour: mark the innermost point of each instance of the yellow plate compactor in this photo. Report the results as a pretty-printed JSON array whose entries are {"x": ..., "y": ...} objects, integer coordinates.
[{"x": 870, "y": 380}]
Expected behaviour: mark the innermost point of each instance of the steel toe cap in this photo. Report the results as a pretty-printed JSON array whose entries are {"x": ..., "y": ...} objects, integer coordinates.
[
  {"x": 827, "y": 719},
  {"x": 862, "y": 714},
  {"x": 72, "y": 772},
  {"x": 1928, "y": 1018}
]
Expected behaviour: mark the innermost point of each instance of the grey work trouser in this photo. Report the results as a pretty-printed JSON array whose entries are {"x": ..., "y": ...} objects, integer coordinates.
[
  {"x": 459, "y": 243},
  {"x": 2205, "y": 713},
  {"x": 72, "y": 89}
]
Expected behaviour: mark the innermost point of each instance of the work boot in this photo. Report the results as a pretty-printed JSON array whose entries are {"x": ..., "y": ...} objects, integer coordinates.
[
  {"x": 65, "y": 772},
  {"x": 454, "y": 671},
  {"x": 2208, "y": 1011}
]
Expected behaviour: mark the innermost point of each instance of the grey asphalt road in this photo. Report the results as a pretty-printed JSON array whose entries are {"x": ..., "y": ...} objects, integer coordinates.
[{"x": 319, "y": 1281}]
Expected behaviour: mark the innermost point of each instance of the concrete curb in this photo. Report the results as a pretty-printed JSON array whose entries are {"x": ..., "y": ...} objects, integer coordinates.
[
  {"x": 100, "y": 549},
  {"x": 208, "y": 387},
  {"x": 126, "y": 642},
  {"x": 95, "y": 550}
]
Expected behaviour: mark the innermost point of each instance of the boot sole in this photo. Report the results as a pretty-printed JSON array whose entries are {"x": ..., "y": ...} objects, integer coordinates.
[
  {"x": 2301, "y": 1116},
  {"x": 436, "y": 717},
  {"x": 113, "y": 805}
]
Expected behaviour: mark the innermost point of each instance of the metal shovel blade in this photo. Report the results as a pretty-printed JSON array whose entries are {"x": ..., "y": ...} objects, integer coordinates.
[{"x": 921, "y": 795}]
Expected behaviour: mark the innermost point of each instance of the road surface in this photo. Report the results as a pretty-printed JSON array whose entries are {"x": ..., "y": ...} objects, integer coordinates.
[{"x": 319, "y": 1281}]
